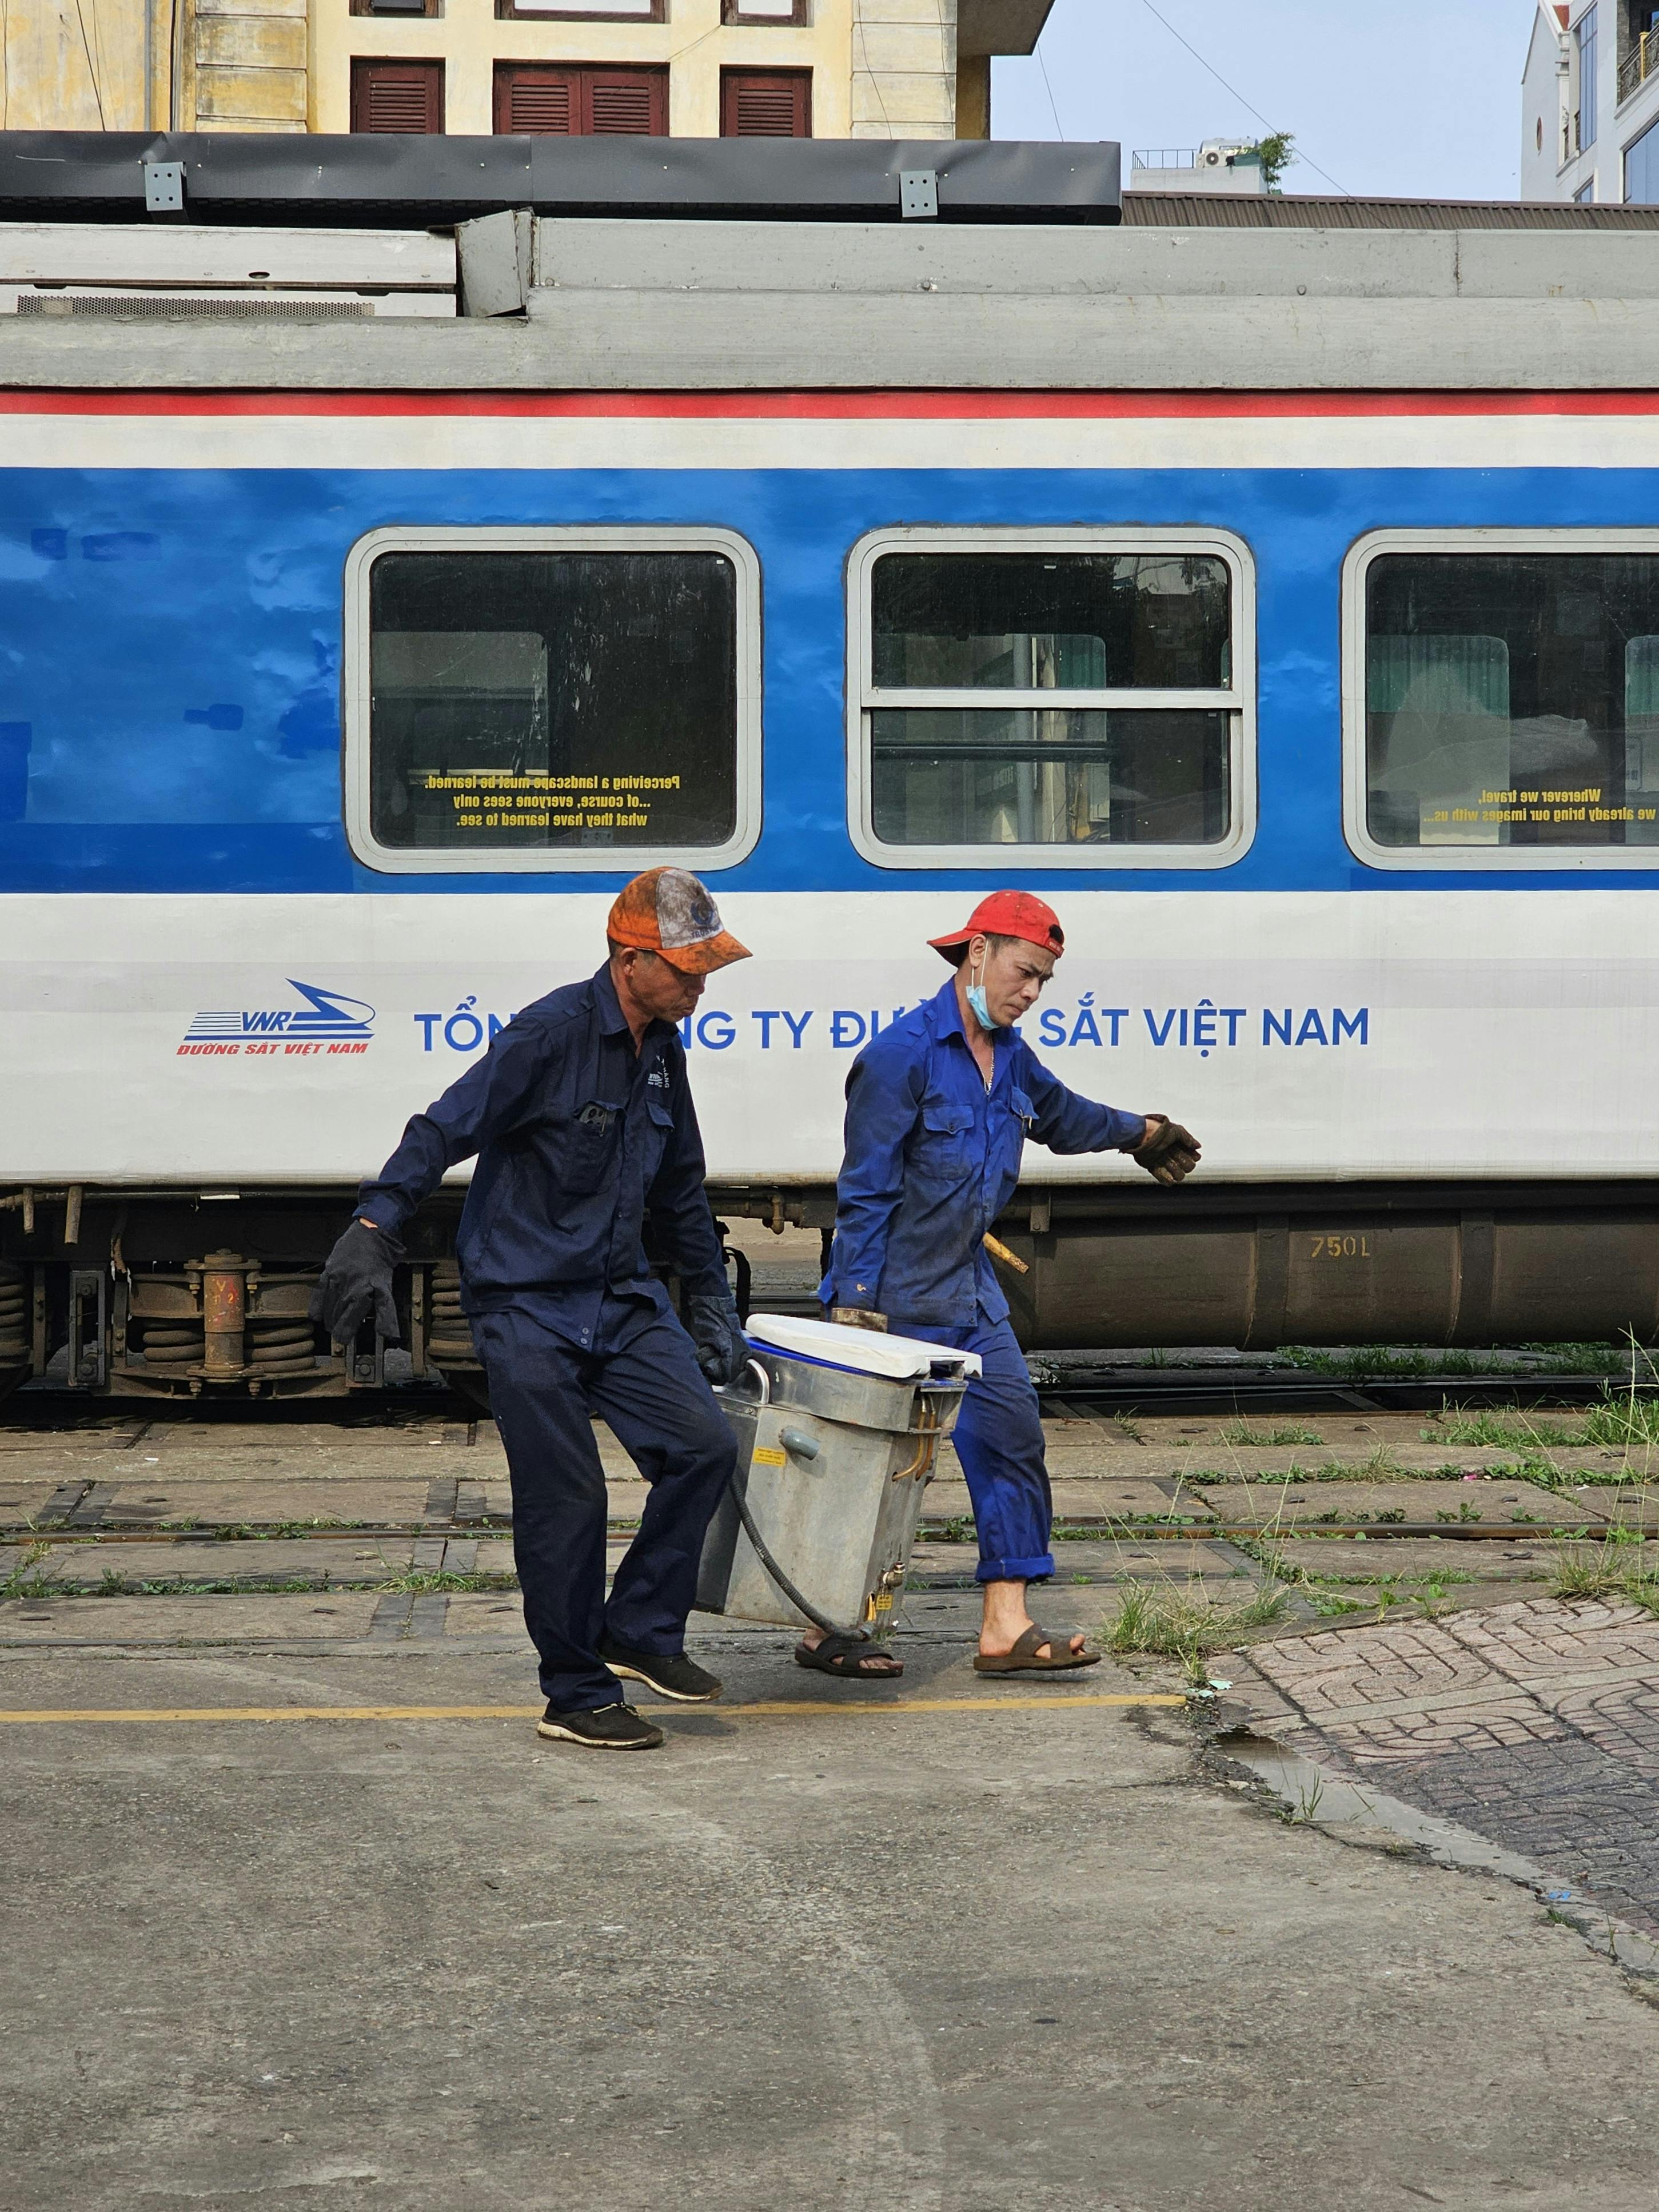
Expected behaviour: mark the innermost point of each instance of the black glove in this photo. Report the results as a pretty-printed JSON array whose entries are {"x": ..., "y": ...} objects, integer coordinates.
[
  {"x": 355, "y": 1283},
  {"x": 711, "y": 1320},
  {"x": 1167, "y": 1151}
]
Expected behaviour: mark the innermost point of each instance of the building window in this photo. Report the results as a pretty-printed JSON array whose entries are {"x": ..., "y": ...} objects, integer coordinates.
[
  {"x": 405, "y": 8},
  {"x": 1585, "y": 193},
  {"x": 1585, "y": 38},
  {"x": 536, "y": 700},
  {"x": 766, "y": 103},
  {"x": 388, "y": 96},
  {"x": 765, "y": 11},
  {"x": 1642, "y": 169},
  {"x": 551, "y": 98},
  {"x": 1081, "y": 695},
  {"x": 1503, "y": 703},
  {"x": 595, "y": 11}
]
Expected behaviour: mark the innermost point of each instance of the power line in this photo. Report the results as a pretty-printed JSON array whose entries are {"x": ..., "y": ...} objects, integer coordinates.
[
  {"x": 1049, "y": 89},
  {"x": 1238, "y": 94},
  {"x": 92, "y": 66}
]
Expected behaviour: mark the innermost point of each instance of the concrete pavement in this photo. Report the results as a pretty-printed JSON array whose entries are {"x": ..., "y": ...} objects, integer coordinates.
[{"x": 1027, "y": 1951}]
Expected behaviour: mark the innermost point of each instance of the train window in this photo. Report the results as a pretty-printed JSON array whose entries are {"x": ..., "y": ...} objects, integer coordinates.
[
  {"x": 1502, "y": 695},
  {"x": 535, "y": 700},
  {"x": 1080, "y": 694}
]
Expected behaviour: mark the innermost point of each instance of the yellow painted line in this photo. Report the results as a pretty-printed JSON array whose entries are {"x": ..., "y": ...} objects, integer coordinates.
[{"x": 70, "y": 1714}]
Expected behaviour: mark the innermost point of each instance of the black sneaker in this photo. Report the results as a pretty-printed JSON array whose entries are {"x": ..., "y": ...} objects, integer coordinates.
[
  {"x": 676, "y": 1677},
  {"x": 602, "y": 1728}
]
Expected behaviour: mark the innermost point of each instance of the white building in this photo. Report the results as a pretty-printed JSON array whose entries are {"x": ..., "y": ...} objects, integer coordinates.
[
  {"x": 1590, "y": 102},
  {"x": 1219, "y": 165}
]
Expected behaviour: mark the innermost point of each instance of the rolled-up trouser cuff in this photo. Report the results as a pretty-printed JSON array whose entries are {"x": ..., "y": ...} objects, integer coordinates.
[{"x": 1035, "y": 1570}]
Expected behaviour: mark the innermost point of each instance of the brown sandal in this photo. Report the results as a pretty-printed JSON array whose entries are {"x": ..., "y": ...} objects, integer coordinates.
[
  {"x": 1024, "y": 1658},
  {"x": 844, "y": 1654}
]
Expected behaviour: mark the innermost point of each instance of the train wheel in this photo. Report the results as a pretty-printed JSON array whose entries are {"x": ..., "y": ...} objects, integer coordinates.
[{"x": 11, "y": 1378}]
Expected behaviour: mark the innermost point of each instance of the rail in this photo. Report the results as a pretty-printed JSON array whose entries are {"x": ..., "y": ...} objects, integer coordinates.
[{"x": 1638, "y": 66}]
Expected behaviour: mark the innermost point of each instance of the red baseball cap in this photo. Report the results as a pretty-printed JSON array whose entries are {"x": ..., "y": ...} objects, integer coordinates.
[{"x": 1008, "y": 914}]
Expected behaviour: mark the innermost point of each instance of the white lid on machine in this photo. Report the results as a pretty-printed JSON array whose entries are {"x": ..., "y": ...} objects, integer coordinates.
[{"x": 863, "y": 1351}]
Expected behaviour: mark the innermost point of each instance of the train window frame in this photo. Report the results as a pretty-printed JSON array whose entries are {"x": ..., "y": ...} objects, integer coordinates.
[
  {"x": 1237, "y": 700},
  {"x": 1459, "y": 859},
  {"x": 550, "y": 537}
]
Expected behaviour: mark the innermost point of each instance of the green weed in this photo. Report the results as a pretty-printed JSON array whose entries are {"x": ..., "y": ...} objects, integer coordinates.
[
  {"x": 1283, "y": 1433},
  {"x": 442, "y": 1579},
  {"x": 1185, "y": 1623},
  {"x": 24, "y": 1579}
]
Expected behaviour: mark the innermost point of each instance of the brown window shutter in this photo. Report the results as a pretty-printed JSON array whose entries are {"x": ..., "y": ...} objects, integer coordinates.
[
  {"x": 537, "y": 102},
  {"x": 766, "y": 103},
  {"x": 398, "y": 95},
  {"x": 632, "y": 101},
  {"x": 551, "y": 98}
]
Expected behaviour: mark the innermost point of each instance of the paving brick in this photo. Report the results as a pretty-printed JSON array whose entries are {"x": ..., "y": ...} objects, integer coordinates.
[
  {"x": 258, "y": 1504},
  {"x": 1536, "y": 1724},
  {"x": 350, "y": 1559}
]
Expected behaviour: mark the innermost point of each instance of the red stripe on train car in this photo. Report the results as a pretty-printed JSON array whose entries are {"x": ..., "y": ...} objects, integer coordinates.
[{"x": 972, "y": 406}]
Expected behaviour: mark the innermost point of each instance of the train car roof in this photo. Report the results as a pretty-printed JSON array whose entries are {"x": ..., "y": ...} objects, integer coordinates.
[{"x": 484, "y": 265}]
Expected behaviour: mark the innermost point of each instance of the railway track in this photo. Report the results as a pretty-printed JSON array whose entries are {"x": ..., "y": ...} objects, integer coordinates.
[
  {"x": 1154, "y": 1389},
  {"x": 1209, "y": 1471},
  {"x": 1170, "y": 1390}
]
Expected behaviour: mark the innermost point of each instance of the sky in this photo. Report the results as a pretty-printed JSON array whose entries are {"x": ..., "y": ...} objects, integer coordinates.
[{"x": 1419, "y": 98}]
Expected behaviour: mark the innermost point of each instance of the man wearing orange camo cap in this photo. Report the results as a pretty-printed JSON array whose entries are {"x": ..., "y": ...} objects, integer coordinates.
[{"x": 581, "y": 1117}]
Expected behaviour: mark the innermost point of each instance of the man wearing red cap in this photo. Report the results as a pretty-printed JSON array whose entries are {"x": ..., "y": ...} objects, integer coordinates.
[
  {"x": 582, "y": 1118},
  {"x": 939, "y": 1108}
]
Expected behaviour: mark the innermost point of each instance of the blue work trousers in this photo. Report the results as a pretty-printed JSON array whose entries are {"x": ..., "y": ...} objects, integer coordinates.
[
  {"x": 653, "y": 1397},
  {"x": 999, "y": 1439}
]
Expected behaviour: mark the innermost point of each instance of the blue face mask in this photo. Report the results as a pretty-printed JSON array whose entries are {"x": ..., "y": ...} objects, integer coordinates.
[{"x": 976, "y": 1000}]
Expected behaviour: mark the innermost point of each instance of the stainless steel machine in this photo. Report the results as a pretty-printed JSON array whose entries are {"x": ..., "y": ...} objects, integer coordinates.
[{"x": 838, "y": 1430}]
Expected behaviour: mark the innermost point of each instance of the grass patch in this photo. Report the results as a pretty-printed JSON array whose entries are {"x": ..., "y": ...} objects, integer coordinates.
[
  {"x": 1616, "y": 1565},
  {"x": 440, "y": 1578},
  {"x": 1621, "y": 1421},
  {"x": 1185, "y": 1624},
  {"x": 1128, "y": 1428},
  {"x": 1500, "y": 1429},
  {"x": 117, "y": 1585},
  {"x": 1283, "y": 1432},
  {"x": 24, "y": 1579}
]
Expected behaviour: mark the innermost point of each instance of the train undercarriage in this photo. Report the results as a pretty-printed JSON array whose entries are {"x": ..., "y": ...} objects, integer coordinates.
[{"x": 176, "y": 1293}]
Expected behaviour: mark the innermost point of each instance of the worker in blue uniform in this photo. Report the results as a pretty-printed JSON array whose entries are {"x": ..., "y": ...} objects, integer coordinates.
[
  {"x": 939, "y": 1108},
  {"x": 580, "y": 1118}
]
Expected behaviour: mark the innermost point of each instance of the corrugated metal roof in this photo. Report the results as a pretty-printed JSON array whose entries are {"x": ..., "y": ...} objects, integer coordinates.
[{"x": 1309, "y": 212}]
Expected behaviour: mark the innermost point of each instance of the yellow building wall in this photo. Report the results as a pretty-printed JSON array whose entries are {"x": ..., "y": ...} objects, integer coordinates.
[
  {"x": 695, "y": 43},
  {"x": 69, "y": 68},
  {"x": 153, "y": 65}
]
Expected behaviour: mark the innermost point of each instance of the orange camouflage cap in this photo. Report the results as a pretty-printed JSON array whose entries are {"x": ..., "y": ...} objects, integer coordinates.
[{"x": 670, "y": 912}]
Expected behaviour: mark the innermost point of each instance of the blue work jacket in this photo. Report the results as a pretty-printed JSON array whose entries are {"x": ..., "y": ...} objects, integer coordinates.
[
  {"x": 932, "y": 1157},
  {"x": 578, "y": 1139}
]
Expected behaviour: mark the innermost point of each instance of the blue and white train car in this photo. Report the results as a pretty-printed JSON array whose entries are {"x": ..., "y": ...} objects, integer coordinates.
[{"x": 1281, "y": 602}]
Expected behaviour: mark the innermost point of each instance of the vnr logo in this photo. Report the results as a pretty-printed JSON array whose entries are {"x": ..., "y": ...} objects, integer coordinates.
[{"x": 325, "y": 1017}]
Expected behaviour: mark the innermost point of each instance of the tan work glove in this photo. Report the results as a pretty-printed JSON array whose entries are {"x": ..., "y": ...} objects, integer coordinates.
[
  {"x": 859, "y": 1317},
  {"x": 1167, "y": 1151}
]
